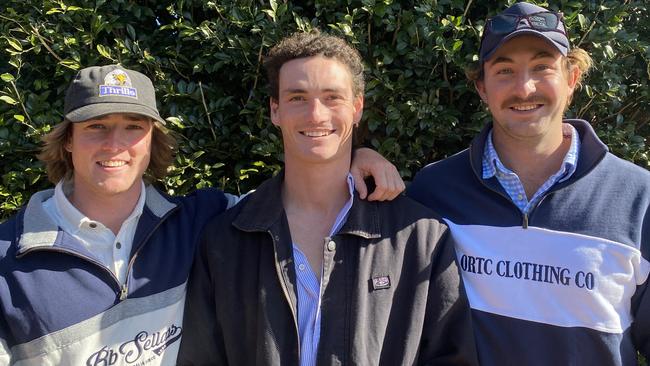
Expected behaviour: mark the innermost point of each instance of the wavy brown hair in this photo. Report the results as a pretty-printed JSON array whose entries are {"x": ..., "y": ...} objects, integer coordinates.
[
  {"x": 314, "y": 43},
  {"x": 58, "y": 160}
]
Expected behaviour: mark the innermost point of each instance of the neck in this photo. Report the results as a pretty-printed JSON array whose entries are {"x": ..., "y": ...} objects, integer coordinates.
[
  {"x": 110, "y": 210},
  {"x": 315, "y": 187},
  {"x": 534, "y": 160}
]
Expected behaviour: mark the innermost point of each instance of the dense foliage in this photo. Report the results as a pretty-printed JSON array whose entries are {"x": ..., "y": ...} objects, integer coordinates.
[{"x": 204, "y": 58}]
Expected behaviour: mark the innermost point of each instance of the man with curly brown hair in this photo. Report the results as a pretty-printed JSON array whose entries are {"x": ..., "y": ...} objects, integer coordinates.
[{"x": 303, "y": 272}]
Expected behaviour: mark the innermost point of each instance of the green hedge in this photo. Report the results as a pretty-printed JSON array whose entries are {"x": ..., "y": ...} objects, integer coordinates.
[{"x": 204, "y": 58}]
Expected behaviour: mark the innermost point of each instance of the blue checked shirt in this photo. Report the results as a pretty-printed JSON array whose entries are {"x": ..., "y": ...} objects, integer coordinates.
[
  {"x": 510, "y": 182},
  {"x": 309, "y": 292}
]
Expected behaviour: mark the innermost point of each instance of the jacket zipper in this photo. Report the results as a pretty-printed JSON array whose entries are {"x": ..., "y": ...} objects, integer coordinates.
[
  {"x": 74, "y": 254},
  {"x": 285, "y": 290},
  {"x": 123, "y": 288}
]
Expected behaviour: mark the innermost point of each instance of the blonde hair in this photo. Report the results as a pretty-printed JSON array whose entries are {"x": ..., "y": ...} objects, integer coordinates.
[{"x": 58, "y": 160}]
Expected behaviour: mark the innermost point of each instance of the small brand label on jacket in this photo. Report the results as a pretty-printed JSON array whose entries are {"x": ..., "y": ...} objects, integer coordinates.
[{"x": 380, "y": 282}]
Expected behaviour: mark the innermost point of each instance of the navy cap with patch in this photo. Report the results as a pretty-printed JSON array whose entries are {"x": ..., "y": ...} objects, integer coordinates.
[
  {"x": 523, "y": 19},
  {"x": 101, "y": 90}
]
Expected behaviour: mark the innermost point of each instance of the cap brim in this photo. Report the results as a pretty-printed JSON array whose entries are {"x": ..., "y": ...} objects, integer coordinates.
[
  {"x": 101, "y": 109},
  {"x": 528, "y": 31}
]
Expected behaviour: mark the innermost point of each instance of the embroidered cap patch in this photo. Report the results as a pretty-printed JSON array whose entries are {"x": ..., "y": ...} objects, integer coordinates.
[
  {"x": 381, "y": 282},
  {"x": 118, "y": 83}
]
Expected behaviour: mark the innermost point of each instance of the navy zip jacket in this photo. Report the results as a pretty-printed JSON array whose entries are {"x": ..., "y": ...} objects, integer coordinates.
[
  {"x": 60, "y": 306},
  {"x": 565, "y": 284}
]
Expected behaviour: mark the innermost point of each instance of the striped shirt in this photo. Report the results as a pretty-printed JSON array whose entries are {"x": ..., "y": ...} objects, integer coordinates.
[
  {"x": 309, "y": 292},
  {"x": 492, "y": 166}
]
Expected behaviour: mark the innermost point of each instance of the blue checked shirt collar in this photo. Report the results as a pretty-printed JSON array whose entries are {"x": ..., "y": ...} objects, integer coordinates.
[{"x": 492, "y": 166}]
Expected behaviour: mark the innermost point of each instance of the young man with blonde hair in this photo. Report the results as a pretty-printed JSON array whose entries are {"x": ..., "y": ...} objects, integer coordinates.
[
  {"x": 552, "y": 230},
  {"x": 302, "y": 272},
  {"x": 93, "y": 272}
]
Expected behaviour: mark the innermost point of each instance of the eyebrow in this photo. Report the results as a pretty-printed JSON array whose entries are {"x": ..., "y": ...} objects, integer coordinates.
[
  {"x": 504, "y": 59},
  {"x": 303, "y": 91}
]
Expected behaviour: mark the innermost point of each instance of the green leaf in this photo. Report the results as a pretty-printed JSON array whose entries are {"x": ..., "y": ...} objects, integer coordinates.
[
  {"x": 104, "y": 51},
  {"x": 583, "y": 21},
  {"x": 8, "y": 99},
  {"x": 7, "y": 77},
  {"x": 19, "y": 117},
  {"x": 131, "y": 31},
  {"x": 15, "y": 44}
]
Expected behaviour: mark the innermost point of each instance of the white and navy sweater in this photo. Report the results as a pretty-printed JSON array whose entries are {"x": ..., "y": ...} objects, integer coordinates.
[
  {"x": 565, "y": 284},
  {"x": 60, "y": 306}
]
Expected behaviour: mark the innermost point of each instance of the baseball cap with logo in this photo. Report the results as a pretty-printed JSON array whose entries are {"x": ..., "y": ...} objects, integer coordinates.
[
  {"x": 100, "y": 90},
  {"x": 519, "y": 19}
]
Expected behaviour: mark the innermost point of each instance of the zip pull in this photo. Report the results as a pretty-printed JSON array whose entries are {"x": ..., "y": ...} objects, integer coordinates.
[
  {"x": 525, "y": 223},
  {"x": 124, "y": 292}
]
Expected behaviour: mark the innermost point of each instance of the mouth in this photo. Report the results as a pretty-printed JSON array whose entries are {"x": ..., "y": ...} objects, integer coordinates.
[
  {"x": 526, "y": 107},
  {"x": 317, "y": 133},
  {"x": 111, "y": 163}
]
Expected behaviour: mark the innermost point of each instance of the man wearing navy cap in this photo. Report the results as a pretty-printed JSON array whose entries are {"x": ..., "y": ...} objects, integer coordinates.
[
  {"x": 93, "y": 272},
  {"x": 552, "y": 230}
]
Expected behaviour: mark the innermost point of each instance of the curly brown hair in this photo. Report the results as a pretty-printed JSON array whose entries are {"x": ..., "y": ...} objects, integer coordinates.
[
  {"x": 314, "y": 43},
  {"x": 58, "y": 160}
]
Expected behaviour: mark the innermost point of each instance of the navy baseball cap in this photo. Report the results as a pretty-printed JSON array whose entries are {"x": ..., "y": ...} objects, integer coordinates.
[
  {"x": 101, "y": 90},
  {"x": 519, "y": 19}
]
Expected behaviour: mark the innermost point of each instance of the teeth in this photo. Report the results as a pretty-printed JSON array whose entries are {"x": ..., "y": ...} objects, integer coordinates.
[
  {"x": 112, "y": 163},
  {"x": 315, "y": 133},
  {"x": 527, "y": 107}
]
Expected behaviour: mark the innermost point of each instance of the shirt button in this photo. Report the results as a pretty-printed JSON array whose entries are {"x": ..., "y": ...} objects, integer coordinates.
[
  {"x": 331, "y": 246},
  {"x": 92, "y": 225},
  {"x": 301, "y": 267},
  {"x": 118, "y": 245},
  {"x": 520, "y": 197}
]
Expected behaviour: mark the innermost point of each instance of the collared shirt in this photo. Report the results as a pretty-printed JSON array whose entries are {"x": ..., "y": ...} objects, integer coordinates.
[
  {"x": 309, "y": 291},
  {"x": 113, "y": 251},
  {"x": 511, "y": 183}
]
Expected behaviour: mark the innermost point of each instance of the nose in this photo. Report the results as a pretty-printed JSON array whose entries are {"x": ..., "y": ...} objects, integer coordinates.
[
  {"x": 524, "y": 85},
  {"x": 318, "y": 111},
  {"x": 113, "y": 140}
]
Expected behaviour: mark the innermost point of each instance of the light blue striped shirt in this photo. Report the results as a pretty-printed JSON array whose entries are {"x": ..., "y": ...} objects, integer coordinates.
[
  {"x": 509, "y": 180},
  {"x": 309, "y": 292}
]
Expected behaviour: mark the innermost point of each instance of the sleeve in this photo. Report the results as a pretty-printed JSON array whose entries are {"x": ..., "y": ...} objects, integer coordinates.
[
  {"x": 641, "y": 298},
  {"x": 202, "y": 342},
  {"x": 5, "y": 352},
  {"x": 448, "y": 337}
]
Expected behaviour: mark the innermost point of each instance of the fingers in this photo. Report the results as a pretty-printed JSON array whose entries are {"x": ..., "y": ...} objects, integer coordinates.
[
  {"x": 389, "y": 183},
  {"x": 359, "y": 183}
]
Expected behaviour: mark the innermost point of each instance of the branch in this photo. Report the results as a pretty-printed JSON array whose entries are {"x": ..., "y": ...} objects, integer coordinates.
[{"x": 207, "y": 113}]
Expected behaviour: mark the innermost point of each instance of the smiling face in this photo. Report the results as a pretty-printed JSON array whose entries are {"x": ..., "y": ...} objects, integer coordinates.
[
  {"x": 527, "y": 88},
  {"x": 110, "y": 155},
  {"x": 316, "y": 110}
]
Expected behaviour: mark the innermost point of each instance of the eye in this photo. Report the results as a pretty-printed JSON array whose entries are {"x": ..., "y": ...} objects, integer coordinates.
[
  {"x": 96, "y": 126},
  {"x": 541, "y": 67},
  {"x": 134, "y": 127},
  {"x": 334, "y": 97},
  {"x": 504, "y": 71},
  {"x": 296, "y": 98}
]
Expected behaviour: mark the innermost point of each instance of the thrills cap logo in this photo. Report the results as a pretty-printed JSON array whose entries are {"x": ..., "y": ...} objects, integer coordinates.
[
  {"x": 141, "y": 350},
  {"x": 118, "y": 83}
]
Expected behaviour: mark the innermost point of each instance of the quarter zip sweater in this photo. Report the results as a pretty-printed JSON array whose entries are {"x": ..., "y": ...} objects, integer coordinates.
[
  {"x": 565, "y": 283},
  {"x": 59, "y": 305}
]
